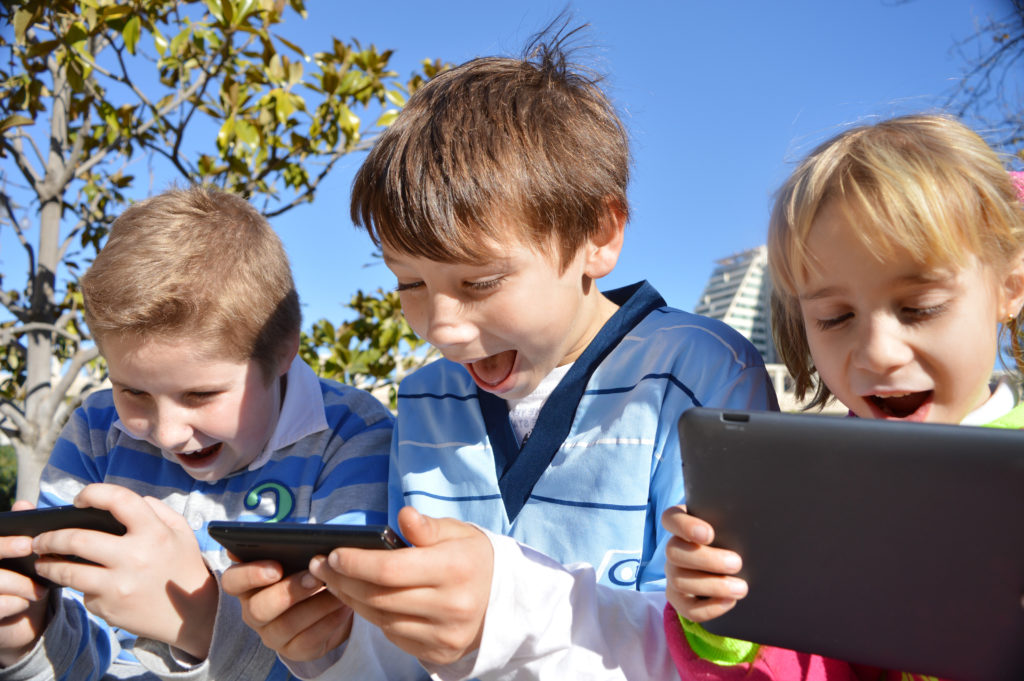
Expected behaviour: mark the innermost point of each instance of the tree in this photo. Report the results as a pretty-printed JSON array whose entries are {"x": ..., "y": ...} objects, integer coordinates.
[
  {"x": 989, "y": 90},
  {"x": 372, "y": 352},
  {"x": 205, "y": 91}
]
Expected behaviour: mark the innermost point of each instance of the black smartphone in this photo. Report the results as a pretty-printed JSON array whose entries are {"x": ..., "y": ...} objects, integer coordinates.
[
  {"x": 294, "y": 544},
  {"x": 36, "y": 521}
]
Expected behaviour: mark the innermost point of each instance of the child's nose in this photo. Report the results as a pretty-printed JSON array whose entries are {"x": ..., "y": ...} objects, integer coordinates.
[
  {"x": 447, "y": 322},
  {"x": 169, "y": 428},
  {"x": 882, "y": 347}
]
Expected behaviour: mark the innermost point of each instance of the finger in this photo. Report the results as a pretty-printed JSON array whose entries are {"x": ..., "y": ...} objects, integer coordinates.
[
  {"x": 18, "y": 586},
  {"x": 22, "y": 505},
  {"x": 88, "y": 579},
  {"x": 702, "y": 609},
  {"x": 242, "y": 578},
  {"x": 270, "y": 603},
  {"x": 298, "y": 620},
  {"x": 690, "y": 556},
  {"x": 422, "y": 530},
  {"x": 90, "y": 545},
  {"x": 129, "y": 508},
  {"x": 676, "y": 520},
  {"x": 15, "y": 547},
  {"x": 321, "y": 637},
  {"x": 704, "y": 585},
  {"x": 167, "y": 515}
]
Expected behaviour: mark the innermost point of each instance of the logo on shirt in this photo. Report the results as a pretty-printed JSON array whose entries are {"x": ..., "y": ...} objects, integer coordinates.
[
  {"x": 622, "y": 568},
  {"x": 283, "y": 500}
]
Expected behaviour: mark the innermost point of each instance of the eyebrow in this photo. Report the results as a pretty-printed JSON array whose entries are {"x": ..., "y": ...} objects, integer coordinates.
[{"x": 907, "y": 280}]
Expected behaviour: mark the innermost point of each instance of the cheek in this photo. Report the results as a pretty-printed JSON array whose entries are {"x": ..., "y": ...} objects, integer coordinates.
[
  {"x": 413, "y": 313},
  {"x": 132, "y": 417}
]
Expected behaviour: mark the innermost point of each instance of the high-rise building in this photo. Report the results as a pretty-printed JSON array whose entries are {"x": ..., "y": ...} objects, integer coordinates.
[{"x": 738, "y": 293}]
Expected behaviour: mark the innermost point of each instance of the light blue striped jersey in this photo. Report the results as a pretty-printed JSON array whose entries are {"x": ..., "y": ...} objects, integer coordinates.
[{"x": 603, "y": 460}]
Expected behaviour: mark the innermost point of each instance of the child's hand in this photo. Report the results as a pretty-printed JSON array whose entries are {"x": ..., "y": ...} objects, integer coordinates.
[
  {"x": 696, "y": 583},
  {"x": 295, "y": 617},
  {"x": 152, "y": 581},
  {"x": 22, "y": 601},
  {"x": 430, "y": 600}
]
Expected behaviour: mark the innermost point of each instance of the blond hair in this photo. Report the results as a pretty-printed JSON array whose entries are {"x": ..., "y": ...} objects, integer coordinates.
[
  {"x": 923, "y": 184},
  {"x": 197, "y": 264},
  {"x": 531, "y": 144}
]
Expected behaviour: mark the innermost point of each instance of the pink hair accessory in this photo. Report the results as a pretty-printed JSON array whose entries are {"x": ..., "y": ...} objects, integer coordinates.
[{"x": 1018, "y": 182}]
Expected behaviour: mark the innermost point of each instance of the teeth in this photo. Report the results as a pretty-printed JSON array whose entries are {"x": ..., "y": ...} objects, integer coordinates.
[{"x": 882, "y": 397}]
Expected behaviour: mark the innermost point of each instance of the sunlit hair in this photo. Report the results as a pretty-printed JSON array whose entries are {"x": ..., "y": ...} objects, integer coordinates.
[
  {"x": 530, "y": 145},
  {"x": 197, "y": 265},
  {"x": 925, "y": 184}
]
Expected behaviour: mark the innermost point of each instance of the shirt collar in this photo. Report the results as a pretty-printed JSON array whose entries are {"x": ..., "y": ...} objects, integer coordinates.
[
  {"x": 302, "y": 413},
  {"x": 999, "y": 403}
]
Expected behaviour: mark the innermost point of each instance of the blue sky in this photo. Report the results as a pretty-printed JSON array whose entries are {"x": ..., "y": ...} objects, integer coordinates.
[{"x": 720, "y": 99}]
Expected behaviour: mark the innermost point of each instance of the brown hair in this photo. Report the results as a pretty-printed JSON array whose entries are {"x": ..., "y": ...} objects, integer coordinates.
[
  {"x": 531, "y": 144},
  {"x": 197, "y": 263},
  {"x": 924, "y": 184}
]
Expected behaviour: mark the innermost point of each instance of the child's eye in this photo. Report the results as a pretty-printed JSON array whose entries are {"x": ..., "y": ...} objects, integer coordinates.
[
  {"x": 409, "y": 286},
  {"x": 202, "y": 396},
  {"x": 132, "y": 392},
  {"x": 832, "y": 322},
  {"x": 920, "y": 314},
  {"x": 484, "y": 284}
]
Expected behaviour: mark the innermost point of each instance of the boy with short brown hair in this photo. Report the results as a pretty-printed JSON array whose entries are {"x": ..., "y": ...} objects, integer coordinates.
[
  {"x": 498, "y": 198},
  {"x": 211, "y": 416}
]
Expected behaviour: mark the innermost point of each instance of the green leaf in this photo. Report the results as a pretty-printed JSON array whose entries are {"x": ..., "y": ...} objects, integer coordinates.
[
  {"x": 14, "y": 121},
  {"x": 387, "y": 118},
  {"x": 247, "y": 133},
  {"x": 22, "y": 20},
  {"x": 131, "y": 33},
  {"x": 216, "y": 9},
  {"x": 160, "y": 42}
]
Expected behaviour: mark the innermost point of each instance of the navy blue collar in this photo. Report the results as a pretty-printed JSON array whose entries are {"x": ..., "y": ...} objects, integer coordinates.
[{"x": 519, "y": 469}]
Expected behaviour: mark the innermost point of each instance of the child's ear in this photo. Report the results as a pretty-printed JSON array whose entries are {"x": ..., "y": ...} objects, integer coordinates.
[{"x": 604, "y": 247}]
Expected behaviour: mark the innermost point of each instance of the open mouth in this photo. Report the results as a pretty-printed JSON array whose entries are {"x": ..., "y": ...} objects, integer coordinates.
[
  {"x": 200, "y": 455},
  {"x": 490, "y": 372},
  {"x": 900, "y": 406}
]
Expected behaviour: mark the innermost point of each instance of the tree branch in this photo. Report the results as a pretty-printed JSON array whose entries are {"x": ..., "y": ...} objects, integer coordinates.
[
  {"x": 78, "y": 361},
  {"x": 15, "y": 415}
]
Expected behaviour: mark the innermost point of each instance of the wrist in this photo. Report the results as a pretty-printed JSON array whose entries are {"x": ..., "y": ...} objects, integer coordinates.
[{"x": 196, "y": 620}]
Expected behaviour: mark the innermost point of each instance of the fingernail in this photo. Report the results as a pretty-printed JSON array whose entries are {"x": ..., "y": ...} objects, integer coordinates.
[
  {"x": 269, "y": 573},
  {"x": 21, "y": 544},
  {"x": 732, "y": 562},
  {"x": 308, "y": 581},
  {"x": 737, "y": 587},
  {"x": 701, "y": 535}
]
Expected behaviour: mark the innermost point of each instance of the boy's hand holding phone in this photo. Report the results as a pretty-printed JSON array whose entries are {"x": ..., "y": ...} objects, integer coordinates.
[
  {"x": 698, "y": 580},
  {"x": 294, "y": 616},
  {"x": 152, "y": 581},
  {"x": 22, "y": 601},
  {"x": 430, "y": 600}
]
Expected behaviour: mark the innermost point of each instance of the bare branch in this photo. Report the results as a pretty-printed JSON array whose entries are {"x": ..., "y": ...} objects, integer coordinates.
[
  {"x": 12, "y": 143},
  {"x": 78, "y": 361},
  {"x": 362, "y": 145},
  {"x": 9, "y": 334},
  {"x": 10, "y": 411}
]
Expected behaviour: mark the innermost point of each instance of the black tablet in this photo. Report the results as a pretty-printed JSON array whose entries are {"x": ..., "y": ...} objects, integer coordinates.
[
  {"x": 36, "y": 521},
  {"x": 899, "y": 545},
  {"x": 294, "y": 544}
]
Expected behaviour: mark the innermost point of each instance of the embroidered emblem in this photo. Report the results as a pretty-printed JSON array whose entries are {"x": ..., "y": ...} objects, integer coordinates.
[{"x": 283, "y": 498}]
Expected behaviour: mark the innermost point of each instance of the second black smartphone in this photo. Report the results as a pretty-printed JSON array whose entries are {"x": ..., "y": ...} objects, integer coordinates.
[{"x": 294, "y": 544}]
